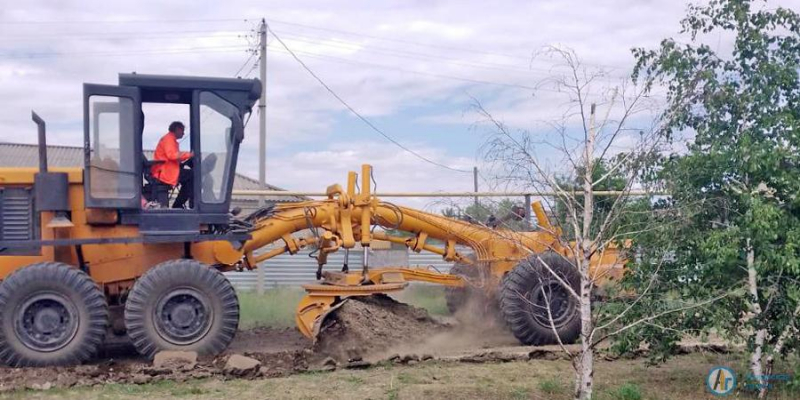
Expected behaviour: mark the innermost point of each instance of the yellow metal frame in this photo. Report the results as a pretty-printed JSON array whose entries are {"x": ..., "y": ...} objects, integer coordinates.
[{"x": 345, "y": 219}]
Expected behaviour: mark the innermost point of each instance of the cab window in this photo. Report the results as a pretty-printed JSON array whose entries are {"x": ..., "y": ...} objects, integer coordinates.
[{"x": 216, "y": 141}]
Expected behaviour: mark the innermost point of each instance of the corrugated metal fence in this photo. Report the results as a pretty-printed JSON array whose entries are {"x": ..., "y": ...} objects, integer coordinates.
[{"x": 298, "y": 269}]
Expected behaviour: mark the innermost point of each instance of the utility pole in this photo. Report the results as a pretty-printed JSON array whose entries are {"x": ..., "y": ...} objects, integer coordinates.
[
  {"x": 262, "y": 135},
  {"x": 475, "y": 182},
  {"x": 262, "y": 112}
]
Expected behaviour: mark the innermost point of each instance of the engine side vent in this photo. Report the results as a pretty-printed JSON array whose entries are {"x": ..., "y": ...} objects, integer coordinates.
[{"x": 17, "y": 220}]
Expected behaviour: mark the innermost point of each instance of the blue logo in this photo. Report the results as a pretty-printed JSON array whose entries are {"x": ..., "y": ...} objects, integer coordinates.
[{"x": 721, "y": 381}]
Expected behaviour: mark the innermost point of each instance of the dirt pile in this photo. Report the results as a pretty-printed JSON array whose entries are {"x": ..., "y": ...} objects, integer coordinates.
[{"x": 364, "y": 327}]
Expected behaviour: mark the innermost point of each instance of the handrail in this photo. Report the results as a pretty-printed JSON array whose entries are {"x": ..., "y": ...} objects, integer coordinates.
[{"x": 286, "y": 193}]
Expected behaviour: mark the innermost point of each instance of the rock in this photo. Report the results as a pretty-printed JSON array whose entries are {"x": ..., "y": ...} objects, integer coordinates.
[
  {"x": 66, "y": 380},
  {"x": 141, "y": 379},
  {"x": 199, "y": 374},
  {"x": 426, "y": 357},
  {"x": 42, "y": 386},
  {"x": 95, "y": 373},
  {"x": 412, "y": 362},
  {"x": 543, "y": 355},
  {"x": 358, "y": 365},
  {"x": 329, "y": 364},
  {"x": 156, "y": 371},
  {"x": 394, "y": 358},
  {"x": 328, "y": 368},
  {"x": 238, "y": 365},
  {"x": 183, "y": 360},
  {"x": 409, "y": 357},
  {"x": 329, "y": 361}
]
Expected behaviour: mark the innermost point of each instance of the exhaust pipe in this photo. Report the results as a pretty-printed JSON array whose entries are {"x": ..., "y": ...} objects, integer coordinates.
[
  {"x": 42, "y": 141},
  {"x": 51, "y": 188}
]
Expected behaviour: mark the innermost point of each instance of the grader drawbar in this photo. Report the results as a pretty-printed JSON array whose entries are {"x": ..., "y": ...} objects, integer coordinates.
[{"x": 81, "y": 258}]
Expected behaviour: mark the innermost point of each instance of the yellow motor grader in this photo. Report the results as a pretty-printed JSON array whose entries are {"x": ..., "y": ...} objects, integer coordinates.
[{"x": 81, "y": 255}]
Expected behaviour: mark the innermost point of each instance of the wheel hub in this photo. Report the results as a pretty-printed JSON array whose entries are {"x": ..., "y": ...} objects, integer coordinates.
[
  {"x": 46, "y": 322},
  {"x": 183, "y": 316},
  {"x": 560, "y": 303}
]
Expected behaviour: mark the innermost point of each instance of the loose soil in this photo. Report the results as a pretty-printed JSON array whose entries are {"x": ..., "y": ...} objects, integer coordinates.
[
  {"x": 364, "y": 327},
  {"x": 359, "y": 334},
  {"x": 360, "y": 328}
]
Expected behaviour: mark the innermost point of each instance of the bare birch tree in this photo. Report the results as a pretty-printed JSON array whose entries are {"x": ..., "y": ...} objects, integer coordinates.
[{"x": 607, "y": 131}]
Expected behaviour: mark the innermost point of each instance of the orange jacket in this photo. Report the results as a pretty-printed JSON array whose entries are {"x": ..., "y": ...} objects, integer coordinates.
[{"x": 169, "y": 152}]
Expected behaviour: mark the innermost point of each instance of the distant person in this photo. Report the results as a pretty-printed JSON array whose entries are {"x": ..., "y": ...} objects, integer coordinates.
[{"x": 170, "y": 171}]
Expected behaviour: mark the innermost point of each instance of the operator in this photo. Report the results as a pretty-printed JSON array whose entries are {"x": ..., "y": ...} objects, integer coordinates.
[{"x": 170, "y": 171}]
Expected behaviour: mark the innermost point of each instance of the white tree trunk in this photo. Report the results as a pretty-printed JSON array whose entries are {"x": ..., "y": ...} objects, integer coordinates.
[
  {"x": 585, "y": 374},
  {"x": 761, "y": 334},
  {"x": 768, "y": 364}
]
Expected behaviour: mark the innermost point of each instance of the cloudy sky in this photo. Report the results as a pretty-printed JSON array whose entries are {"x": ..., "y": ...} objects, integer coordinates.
[{"x": 414, "y": 68}]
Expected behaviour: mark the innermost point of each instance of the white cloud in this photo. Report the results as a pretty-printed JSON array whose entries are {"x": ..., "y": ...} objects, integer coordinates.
[{"x": 468, "y": 40}]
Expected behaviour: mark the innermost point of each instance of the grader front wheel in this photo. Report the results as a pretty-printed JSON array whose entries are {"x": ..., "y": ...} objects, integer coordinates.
[{"x": 182, "y": 305}]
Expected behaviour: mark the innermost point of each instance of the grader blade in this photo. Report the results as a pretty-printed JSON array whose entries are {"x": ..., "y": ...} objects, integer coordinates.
[{"x": 322, "y": 299}]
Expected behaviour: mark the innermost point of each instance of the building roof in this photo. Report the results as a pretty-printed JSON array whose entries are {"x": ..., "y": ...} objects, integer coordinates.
[{"x": 27, "y": 155}]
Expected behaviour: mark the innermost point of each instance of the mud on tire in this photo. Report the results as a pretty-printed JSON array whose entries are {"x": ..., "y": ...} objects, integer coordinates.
[
  {"x": 182, "y": 305},
  {"x": 50, "y": 314},
  {"x": 524, "y": 300}
]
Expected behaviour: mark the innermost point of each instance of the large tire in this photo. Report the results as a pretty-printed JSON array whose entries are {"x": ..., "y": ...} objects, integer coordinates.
[
  {"x": 50, "y": 314},
  {"x": 182, "y": 305},
  {"x": 524, "y": 305}
]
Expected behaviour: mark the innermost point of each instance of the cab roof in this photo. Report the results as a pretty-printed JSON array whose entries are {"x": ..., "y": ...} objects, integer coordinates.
[{"x": 178, "y": 89}]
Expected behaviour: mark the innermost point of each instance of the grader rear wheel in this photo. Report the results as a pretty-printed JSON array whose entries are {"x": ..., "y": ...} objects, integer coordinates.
[
  {"x": 527, "y": 292},
  {"x": 50, "y": 314},
  {"x": 182, "y": 305}
]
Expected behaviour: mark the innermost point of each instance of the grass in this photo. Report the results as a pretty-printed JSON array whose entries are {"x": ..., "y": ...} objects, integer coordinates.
[
  {"x": 429, "y": 297},
  {"x": 275, "y": 308},
  {"x": 628, "y": 391},
  {"x": 550, "y": 386}
]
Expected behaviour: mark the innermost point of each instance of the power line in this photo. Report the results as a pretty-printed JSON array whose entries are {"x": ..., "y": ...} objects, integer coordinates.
[
  {"x": 340, "y": 31},
  {"x": 356, "y": 113},
  {"x": 132, "y": 21},
  {"x": 359, "y": 46},
  {"x": 127, "y": 35},
  {"x": 208, "y": 49},
  {"x": 411, "y": 42},
  {"x": 253, "y": 54},
  {"x": 338, "y": 43},
  {"x": 431, "y": 74}
]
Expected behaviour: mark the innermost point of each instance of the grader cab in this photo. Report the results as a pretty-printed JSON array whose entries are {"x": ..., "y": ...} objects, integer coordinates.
[{"x": 81, "y": 255}]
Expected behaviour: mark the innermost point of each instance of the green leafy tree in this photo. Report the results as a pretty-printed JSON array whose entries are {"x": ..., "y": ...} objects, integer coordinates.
[
  {"x": 732, "y": 221},
  {"x": 501, "y": 214}
]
